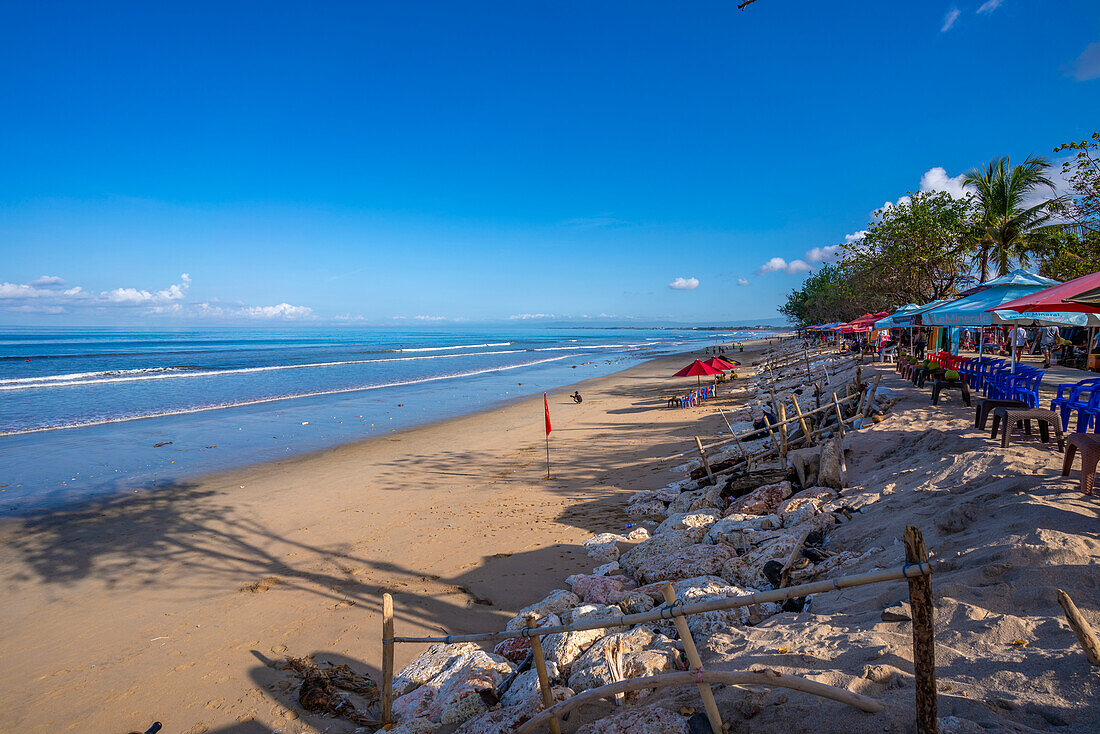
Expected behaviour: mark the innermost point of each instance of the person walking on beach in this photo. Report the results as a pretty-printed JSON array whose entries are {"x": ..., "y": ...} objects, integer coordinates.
[
  {"x": 1049, "y": 340},
  {"x": 1018, "y": 336}
]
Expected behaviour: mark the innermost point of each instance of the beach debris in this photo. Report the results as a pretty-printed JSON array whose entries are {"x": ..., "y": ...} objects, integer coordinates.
[
  {"x": 162, "y": 443},
  {"x": 323, "y": 689}
]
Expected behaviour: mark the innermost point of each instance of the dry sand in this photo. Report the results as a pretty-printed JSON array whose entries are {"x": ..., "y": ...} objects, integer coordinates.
[{"x": 171, "y": 605}]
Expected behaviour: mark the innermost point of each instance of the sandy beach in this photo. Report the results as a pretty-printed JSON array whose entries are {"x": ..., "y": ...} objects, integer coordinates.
[{"x": 172, "y": 605}]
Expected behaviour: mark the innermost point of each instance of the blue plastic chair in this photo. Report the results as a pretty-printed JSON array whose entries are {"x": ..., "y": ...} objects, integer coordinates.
[
  {"x": 1090, "y": 414},
  {"x": 1066, "y": 404},
  {"x": 1026, "y": 387}
]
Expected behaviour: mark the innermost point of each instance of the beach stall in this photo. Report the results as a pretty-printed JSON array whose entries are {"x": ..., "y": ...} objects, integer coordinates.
[
  {"x": 984, "y": 305},
  {"x": 1073, "y": 296}
]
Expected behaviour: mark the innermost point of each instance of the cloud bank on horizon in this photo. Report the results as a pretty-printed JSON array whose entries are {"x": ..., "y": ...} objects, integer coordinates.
[{"x": 48, "y": 295}]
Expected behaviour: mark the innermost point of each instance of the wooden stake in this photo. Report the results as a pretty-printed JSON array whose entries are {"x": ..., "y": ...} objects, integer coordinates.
[
  {"x": 544, "y": 679},
  {"x": 387, "y": 659},
  {"x": 839, "y": 416},
  {"x": 1081, "y": 628},
  {"x": 808, "y": 439},
  {"x": 706, "y": 464},
  {"x": 783, "y": 434},
  {"x": 924, "y": 642},
  {"x": 871, "y": 399},
  {"x": 695, "y": 662}
]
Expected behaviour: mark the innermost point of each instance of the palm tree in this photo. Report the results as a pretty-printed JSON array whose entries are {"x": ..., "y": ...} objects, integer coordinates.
[{"x": 999, "y": 191}]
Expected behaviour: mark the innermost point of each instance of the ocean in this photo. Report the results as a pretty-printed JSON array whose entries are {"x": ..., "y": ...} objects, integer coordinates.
[{"x": 90, "y": 413}]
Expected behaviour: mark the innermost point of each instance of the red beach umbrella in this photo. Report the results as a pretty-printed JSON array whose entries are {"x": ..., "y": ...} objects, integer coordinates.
[
  {"x": 697, "y": 369},
  {"x": 1059, "y": 298},
  {"x": 720, "y": 364}
]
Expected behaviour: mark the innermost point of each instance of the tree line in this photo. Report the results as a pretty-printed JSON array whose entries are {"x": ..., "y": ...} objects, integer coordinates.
[{"x": 930, "y": 245}]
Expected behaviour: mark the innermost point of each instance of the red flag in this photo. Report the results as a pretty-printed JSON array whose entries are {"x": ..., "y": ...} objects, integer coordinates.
[{"x": 546, "y": 405}]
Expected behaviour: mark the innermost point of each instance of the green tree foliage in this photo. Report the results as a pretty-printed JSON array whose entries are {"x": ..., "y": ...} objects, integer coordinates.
[
  {"x": 930, "y": 245},
  {"x": 1082, "y": 171},
  {"x": 915, "y": 252},
  {"x": 1000, "y": 190}
]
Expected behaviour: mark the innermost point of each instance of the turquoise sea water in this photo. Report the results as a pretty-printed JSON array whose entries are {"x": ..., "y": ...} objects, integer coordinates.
[{"x": 93, "y": 412}]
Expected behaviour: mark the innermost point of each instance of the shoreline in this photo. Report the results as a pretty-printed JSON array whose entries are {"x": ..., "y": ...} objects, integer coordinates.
[{"x": 227, "y": 570}]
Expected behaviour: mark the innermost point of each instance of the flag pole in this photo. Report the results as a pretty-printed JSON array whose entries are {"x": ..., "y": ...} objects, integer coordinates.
[{"x": 546, "y": 414}]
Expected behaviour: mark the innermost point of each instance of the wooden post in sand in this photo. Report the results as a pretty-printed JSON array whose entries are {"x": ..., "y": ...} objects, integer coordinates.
[
  {"x": 706, "y": 464},
  {"x": 544, "y": 679},
  {"x": 1081, "y": 628},
  {"x": 783, "y": 435},
  {"x": 808, "y": 438},
  {"x": 839, "y": 416},
  {"x": 870, "y": 400},
  {"x": 387, "y": 660},
  {"x": 696, "y": 663},
  {"x": 924, "y": 642}
]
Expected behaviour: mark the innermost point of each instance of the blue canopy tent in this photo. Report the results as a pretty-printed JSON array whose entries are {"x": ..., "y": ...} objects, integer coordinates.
[
  {"x": 890, "y": 323},
  {"x": 978, "y": 308}
]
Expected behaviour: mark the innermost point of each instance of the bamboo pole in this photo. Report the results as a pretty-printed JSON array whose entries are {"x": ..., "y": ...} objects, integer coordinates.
[
  {"x": 839, "y": 416},
  {"x": 801, "y": 419},
  {"x": 729, "y": 678},
  {"x": 871, "y": 399},
  {"x": 695, "y": 662},
  {"x": 706, "y": 464},
  {"x": 544, "y": 679},
  {"x": 754, "y": 431},
  {"x": 1081, "y": 628},
  {"x": 783, "y": 434},
  {"x": 387, "y": 659},
  {"x": 907, "y": 571},
  {"x": 924, "y": 642}
]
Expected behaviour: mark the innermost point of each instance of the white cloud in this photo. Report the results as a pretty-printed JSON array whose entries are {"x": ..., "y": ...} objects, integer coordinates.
[
  {"x": 936, "y": 179},
  {"x": 779, "y": 265},
  {"x": 742, "y": 281},
  {"x": 949, "y": 19},
  {"x": 684, "y": 284},
  {"x": 1087, "y": 66},
  {"x": 137, "y": 297},
  {"x": 822, "y": 254},
  {"x": 854, "y": 237},
  {"x": 281, "y": 311},
  {"x": 45, "y": 295},
  {"x": 527, "y": 316},
  {"x": 989, "y": 6}
]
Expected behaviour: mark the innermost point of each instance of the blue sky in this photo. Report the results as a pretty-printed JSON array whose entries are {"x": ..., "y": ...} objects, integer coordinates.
[{"x": 387, "y": 161}]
